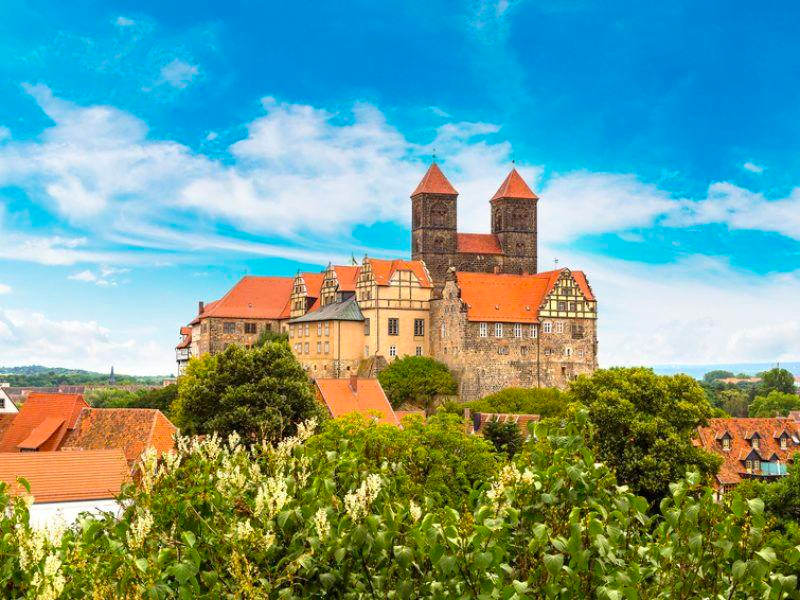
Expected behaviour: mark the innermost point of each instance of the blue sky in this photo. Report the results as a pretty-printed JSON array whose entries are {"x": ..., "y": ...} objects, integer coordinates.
[{"x": 152, "y": 153}]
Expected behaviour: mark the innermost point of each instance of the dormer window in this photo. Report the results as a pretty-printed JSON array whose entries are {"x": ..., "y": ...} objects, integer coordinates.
[
  {"x": 726, "y": 443},
  {"x": 755, "y": 443},
  {"x": 784, "y": 443}
]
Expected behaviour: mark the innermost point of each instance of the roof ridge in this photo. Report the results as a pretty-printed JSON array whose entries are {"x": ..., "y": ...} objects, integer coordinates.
[
  {"x": 434, "y": 182},
  {"x": 514, "y": 186}
]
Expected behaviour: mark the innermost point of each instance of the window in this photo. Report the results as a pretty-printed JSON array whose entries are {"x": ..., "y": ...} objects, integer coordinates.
[
  {"x": 498, "y": 330},
  {"x": 573, "y": 306},
  {"x": 291, "y": 331},
  {"x": 327, "y": 347},
  {"x": 306, "y": 329},
  {"x": 562, "y": 306},
  {"x": 502, "y": 350},
  {"x": 755, "y": 442},
  {"x": 547, "y": 351},
  {"x": 534, "y": 331},
  {"x": 517, "y": 330},
  {"x": 444, "y": 331},
  {"x": 229, "y": 327},
  {"x": 366, "y": 351},
  {"x": 548, "y": 327},
  {"x": 319, "y": 329},
  {"x": 567, "y": 351},
  {"x": 756, "y": 465},
  {"x": 319, "y": 347},
  {"x": 394, "y": 326},
  {"x": 784, "y": 443},
  {"x": 327, "y": 328},
  {"x": 250, "y": 328},
  {"x": 419, "y": 327},
  {"x": 560, "y": 327},
  {"x": 392, "y": 350},
  {"x": 749, "y": 465},
  {"x": 580, "y": 353},
  {"x": 726, "y": 443},
  {"x": 305, "y": 348},
  {"x": 483, "y": 329},
  {"x": 419, "y": 351},
  {"x": 366, "y": 326}
]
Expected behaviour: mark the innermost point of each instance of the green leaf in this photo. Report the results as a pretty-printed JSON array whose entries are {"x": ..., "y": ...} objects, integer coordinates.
[
  {"x": 141, "y": 564},
  {"x": 553, "y": 563}
]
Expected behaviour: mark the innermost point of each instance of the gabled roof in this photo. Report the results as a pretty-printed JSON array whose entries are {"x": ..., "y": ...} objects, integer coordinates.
[
  {"x": 384, "y": 270},
  {"x": 186, "y": 338},
  {"x": 6, "y": 419},
  {"x": 43, "y": 432},
  {"x": 131, "y": 429},
  {"x": 347, "y": 277},
  {"x": 66, "y": 476},
  {"x": 514, "y": 186},
  {"x": 479, "y": 243},
  {"x": 434, "y": 182},
  {"x": 38, "y": 408},
  {"x": 337, "y": 311},
  {"x": 368, "y": 397},
  {"x": 253, "y": 298}
]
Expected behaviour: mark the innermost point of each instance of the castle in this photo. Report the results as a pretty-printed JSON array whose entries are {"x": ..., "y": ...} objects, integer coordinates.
[{"x": 472, "y": 301}]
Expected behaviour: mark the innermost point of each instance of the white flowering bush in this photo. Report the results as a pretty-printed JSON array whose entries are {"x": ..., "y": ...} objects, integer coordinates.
[{"x": 319, "y": 517}]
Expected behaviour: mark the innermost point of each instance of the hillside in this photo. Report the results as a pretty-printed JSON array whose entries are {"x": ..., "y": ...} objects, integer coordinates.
[{"x": 41, "y": 376}]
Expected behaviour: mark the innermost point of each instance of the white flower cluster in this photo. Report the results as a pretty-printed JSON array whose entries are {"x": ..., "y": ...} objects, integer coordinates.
[
  {"x": 271, "y": 497},
  {"x": 31, "y": 547},
  {"x": 414, "y": 510},
  {"x": 509, "y": 476},
  {"x": 358, "y": 503},
  {"x": 50, "y": 584},
  {"x": 287, "y": 445},
  {"x": 230, "y": 478},
  {"x": 321, "y": 524},
  {"x": 139, "y": 529}
]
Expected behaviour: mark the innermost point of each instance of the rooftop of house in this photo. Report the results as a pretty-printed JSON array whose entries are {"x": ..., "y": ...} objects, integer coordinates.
[
  {"x": 480, "y": 419},
  {"x": 252, "y": 297},
  {"x": 740, "y": 433},
  {"x": 347, "y": 276},
  {"x": 186, "y": 338},
  {"x": 515, "y": 187},
  {"x": 363, "y": 396},
  {"x": 384, "y": 270},
  {"x": 479, "y": 243},
  {"x": 66, "y": 476},
  {"x": 42, "y": 422},
  {"x": 434, "y": 182},
  {"x": 346, "y": 310}
]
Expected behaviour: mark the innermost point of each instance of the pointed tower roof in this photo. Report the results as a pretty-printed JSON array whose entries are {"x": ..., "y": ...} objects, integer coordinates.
[
  {"x": 434, "y": 182},
  {"x": 515, "y": 187}
]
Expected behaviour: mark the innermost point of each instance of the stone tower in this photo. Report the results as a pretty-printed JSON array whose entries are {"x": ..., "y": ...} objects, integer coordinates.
[
  {"x": 434, "y": 236},
  {"x": 514, "y": 223}
]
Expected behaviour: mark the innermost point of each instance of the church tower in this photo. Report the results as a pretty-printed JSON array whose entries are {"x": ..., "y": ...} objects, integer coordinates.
[
  {"x": 434, "y": 238},
  {"x": 514, "y": 224}
]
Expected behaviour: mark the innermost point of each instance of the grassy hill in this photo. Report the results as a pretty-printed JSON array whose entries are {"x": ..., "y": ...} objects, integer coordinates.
[{"x": 40, "y": 376}]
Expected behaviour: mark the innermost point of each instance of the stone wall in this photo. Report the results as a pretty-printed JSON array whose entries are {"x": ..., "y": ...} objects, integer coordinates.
[{"x": 213, "y": 338}]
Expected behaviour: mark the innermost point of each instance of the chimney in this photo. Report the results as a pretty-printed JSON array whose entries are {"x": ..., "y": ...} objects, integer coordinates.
[
  {"x": 354, "y": 383},
  {"x": 496, "y": 269},
  {"x": 525, "y": 272},
  {"x": 200, "y": 307}
]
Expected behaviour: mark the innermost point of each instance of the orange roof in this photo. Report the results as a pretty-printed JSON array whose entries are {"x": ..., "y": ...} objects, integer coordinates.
[
  {"x": 434, "y": 182},
  {"x": 769, "y": 431},
  {"x": 131, "y": 429},
  {"x": 508, "y": 298},
  {"x": 38, "y": 408},
  {"x": 43, "y": 432},
  {"x": 384, "y": 270},
  {"x": 480, "y": 419},
  {"x": 253, "y": 298},
  {"x": 186, "y": 338},
  {"x": 368, "y": 397},
  {"x": 66, "y": 476},
  {"x": 5, "y": 422},
  {"x": 514, "y": 186},
  {"x": 479, "y": 243},
  {"x": 347, "y": 277}
]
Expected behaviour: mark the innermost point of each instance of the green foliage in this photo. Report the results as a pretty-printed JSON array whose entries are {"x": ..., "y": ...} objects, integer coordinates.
[
  {"x": 324, "y": 520},
  {"x": 261, "y": 393},
  {"x": 715, "y": 375},
  {"x": 774, "y": 404},
  {"x": 268, "y": 336},
  {"x": 736, "y": 403},
  {"x": 779, "y": 380},
  {"x": 644, "y": 424},
  {"x": 37, "y": 376},
  {"x": 504, "y": 435},
  {"x": 545, "y": 402},
  {"x": 416, "y": 380},
  {"x": 160, "y": 398}
]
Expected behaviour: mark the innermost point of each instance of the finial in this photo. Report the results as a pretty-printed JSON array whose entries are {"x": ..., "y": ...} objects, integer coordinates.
[
  {"x": 556, "y": 262},
  {"x": 433, "y": 156}
]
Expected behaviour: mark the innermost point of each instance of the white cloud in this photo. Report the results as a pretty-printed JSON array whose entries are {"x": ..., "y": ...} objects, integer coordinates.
[
  {"x": 5, "y": 288},
  {"x": 5, "y": 133},
  {"x": 124, "y": 22},
  {"x": 212, "y": 135},
  {"x": 752, "y": 167},
  {"x": 86, "y": 276},
  {"x": 28, "y": 337},
  {"x": 178, "y": 73},
  {"x": 105, "y": 277}
]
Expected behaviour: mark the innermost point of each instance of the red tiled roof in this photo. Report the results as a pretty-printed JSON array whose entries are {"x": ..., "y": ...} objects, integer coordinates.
[
  {"x": 36, "y": 409},
  {"x": 434, "y": 182},
  {"x": 43, "y": 432},
  {"x": 131, "y": 429},
  {"x": 384, "y": 270},
  {"x": 66, "y": 476},
  {"x": 347, "y": 276},
  {"x": 733, "y": 470},
  {"x": 341, "y": 399},
  {"x": 479, "y": 420},
  {"x": 5, "y": 422},
  {"x": 479, "y": 243},
  {"x": 583, "y": 284},
  {"x": 186, "y": 338},
  {"x": 514, "y": 186},
  {"x": 253, "y": 298}
]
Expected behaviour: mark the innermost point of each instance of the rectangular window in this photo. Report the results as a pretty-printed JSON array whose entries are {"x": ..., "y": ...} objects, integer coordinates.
[
  {"x": 327, "y": 347},
  {"x": 534, "y": 331},
  {"x": 498, "y": 330},
  {"x": 319, "y": 347},
  {"x": 560, "y": 327},
  {"x": 366, "y": 351},
  {"x": 483, "y": 329},
  {"x": 755, "y": 442},
  {"x": 783, "y": 443},
  {"x": 229, "y": 327},
  {"x": 307, "y": 330},
  {"x": 305, "y": 348},
  {"x": 756, "y": 465},
  {"x": 366, "y": 326},
  {"x": 444, "y": 331},
  {"x": 419, "y": 327},
  {"x": 547, "y": 327},
  {"x": 319, "y": 329},
  {"x": 250, "y": 328},
  {"x": 291, "y": 331},
  {"x": 394, "y": 326},
  {"x": 419, "y": 351},
  {"x": 562, "y": 306},
  {"x": 749, "y": 465},
  {"x": 502, "y": 350},
  {"x": 726, "y": 443},
  {"x": 392, "y": 350},
  {"x": 517, "y": 330},
  {"x": 327, "y": 328},
  {"x": 573, "y": 306}
]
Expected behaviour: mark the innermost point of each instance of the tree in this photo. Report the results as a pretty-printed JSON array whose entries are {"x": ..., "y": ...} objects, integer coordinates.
[
  {"x": 504, "y": 435},
  {"x": 416, "y": 380},
  {"x": 268, "y": 336},
  {"x": 545, "y": 402},
  {"x": 261, "y": 393},
  {"x": 644, "y": 425},
  {"x": 777, "y": 379},
  {"x": 715, "y": 375},
  {"x": 735, "y": 402},
  {"x": 774, "y": 404}
]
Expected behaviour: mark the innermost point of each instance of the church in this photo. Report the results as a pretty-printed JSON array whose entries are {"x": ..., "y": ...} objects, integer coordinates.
[{"x": 474, "y": 301}]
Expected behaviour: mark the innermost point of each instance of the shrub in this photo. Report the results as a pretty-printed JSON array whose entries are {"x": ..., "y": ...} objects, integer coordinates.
[
  {"x": 545, "y": 402},
  {"x": 416, "y": 380},
  {"x": 504, "y": 435}
]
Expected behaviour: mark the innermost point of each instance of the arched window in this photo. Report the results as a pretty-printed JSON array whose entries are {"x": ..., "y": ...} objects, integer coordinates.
[
  {"x": 520, "y": 218},
  {"x": 439, "y": 215},
  {"x": 498, "y": 220},
  {"x": 520, "y": 249},
  {"x": 438, "y": 244}
]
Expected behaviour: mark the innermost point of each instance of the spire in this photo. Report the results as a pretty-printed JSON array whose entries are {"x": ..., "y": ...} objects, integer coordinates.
[
  {"x": 515, "y": 187},
  {"x": 434, "y": 182}
]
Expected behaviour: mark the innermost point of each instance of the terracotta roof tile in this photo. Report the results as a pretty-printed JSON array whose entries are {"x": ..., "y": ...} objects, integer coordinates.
[
  {"x": 479, "y": 421},
  {"x": 131, "y": 429},
  {"x": 514, "y": 186},
  {"x": 5, "y": 422},
  {"x": 479, "y": 243},
  {"x": 434, "y": 182},
  {"x": 733, "y": 469},
  {"x": 384, "y": 270},
  {"x": 36, "y": 409},
  {"x": 341, "y": 399},
  {"x": 66, "y": 476},
  {"x": 347, "y": 277},
  {"x": 43, "y": 432},
  {"x": 253, "y": 298},
  {"x": 186, "y": 338}
]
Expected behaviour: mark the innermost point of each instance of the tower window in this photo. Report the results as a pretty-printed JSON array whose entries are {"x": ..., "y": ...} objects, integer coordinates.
[
  {"x": 438, "y": 244},
  {"x": 439, "y": 215},
  {"x": 394, "y": 326},
  {"x": 419, "y": 327}
]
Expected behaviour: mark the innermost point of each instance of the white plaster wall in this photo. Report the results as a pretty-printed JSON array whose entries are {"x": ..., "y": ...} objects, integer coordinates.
[{"x": 65, "y": 513}]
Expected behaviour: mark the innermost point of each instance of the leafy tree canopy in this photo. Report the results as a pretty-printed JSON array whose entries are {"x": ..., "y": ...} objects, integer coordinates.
[
  {"x": 504, "y": 435},
  {"x": 644, "y": 424},
  {"x": 779, "y": 380},
  {"x": 718, "y": 374},
  {"x": 261, "y": 393},
  {"x": 734, "y": 402},
  {"x": 774, "y": 404},
  {"x": 160, "y": 398},
  {"x": 416, "y": 380},
  {"x": 545, "y": 402}
]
